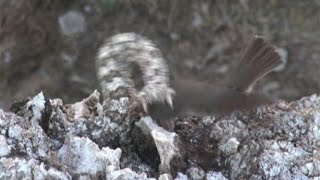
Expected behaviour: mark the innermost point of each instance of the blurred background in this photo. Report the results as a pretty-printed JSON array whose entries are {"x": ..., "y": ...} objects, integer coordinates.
[{"x": 50, "y": 45}]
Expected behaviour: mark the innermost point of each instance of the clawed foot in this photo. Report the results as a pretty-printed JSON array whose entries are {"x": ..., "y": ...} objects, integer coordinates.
[{"x": 142, "y": 100}]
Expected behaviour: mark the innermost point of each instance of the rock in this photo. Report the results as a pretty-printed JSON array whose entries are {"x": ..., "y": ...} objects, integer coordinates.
[
  {"x": 20, "y": 168},
  {"x": 181, "y": 176},
  {"x": 196, "y": 173},
  {"x": 165, "y": 177},
  {"x": 215, "y": 176},
  {"x": 269, "y": 142},
  {"x": 72, "y": 23},
  {"x": 87, "y": 108},
  {"x": 165, "y": 141},
  {"x": 230, "y": 147},
  {"x": 82, "y": 156},
  {"x": 279, "y": 141},
  {"x": 37, "y": 104},
  {"x": 5, "y": 149},
  {"x": 125, "y": 174}
]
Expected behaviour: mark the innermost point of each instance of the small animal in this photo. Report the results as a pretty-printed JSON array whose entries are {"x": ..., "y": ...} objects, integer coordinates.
[{"x": 133, "y": 62}]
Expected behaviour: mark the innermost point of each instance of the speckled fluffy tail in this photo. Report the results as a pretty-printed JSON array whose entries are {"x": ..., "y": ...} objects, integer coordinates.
[
  {"x": 114, "y": 69},
  {"x": 258, "y": 59}
]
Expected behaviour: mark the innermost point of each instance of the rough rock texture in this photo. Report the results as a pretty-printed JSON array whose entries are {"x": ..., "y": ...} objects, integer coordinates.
[
  {"x": 167, "y": 143},
  {"x": 43, "y": 138},
  {"x": 280, "y": 141}
]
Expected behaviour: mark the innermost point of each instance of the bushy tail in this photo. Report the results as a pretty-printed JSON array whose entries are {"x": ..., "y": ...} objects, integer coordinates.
[{"x": 115, "y": 71}]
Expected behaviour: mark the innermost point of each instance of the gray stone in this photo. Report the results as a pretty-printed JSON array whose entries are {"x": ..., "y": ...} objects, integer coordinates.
[
  {"x": 72, "y": 23},
  {"x": 279, "y": 141},
  {"x": 82, "y": 156},
  {"x": 165, "y": 141}
]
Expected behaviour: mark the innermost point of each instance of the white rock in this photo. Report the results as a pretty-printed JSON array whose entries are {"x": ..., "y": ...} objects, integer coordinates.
[
  {"x": 164, "y": 140},
  {"x": 181, "y": 176},
  {"x": 126, "y": 174},
  {"x": 5, "y": 149},
  {"x": 16, "y": 167},
  {"x": 72, "y": 23},
  {"x": 40, "y": 172},
  {"x": 230, "y": 146},
  {"x": 215, "y": 176},
  {"x": 165, "y": 177},
  {"x": 82, "y": 156},
  {"x": 37, "y": 104}
]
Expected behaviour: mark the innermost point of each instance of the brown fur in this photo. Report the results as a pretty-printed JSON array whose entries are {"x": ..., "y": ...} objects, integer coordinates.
[{"x": 201, "y": 98}]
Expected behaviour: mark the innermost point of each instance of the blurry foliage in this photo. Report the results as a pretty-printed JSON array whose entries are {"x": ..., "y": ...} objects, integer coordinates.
[{"x": 109, "y": 5}]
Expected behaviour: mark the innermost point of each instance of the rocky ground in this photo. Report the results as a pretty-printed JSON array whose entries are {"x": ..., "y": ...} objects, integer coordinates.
[
  {"x": 50, "y": 46},
  {"x": 44, "y": 139}
]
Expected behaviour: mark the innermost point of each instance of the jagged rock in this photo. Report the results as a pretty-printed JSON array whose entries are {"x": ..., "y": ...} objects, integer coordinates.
[
  {"x": 166, "y": 142},
  {"x": 269, "y": 142},
  {"x": 230, "y": 147},
  {"x": 88, "y": 108},
  {"x": 278, "y": 141},
  {"x": 82, "y": 156}
]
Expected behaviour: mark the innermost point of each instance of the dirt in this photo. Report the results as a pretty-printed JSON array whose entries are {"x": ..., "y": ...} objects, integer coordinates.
[{"x": 203, "y": 39}]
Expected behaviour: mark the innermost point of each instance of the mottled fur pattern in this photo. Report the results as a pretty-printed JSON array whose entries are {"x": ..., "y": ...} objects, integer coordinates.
[{"x": 114, "y": 69}]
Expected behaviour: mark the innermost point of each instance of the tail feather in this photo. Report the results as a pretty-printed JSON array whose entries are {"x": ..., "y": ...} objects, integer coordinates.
[{"x": 258, "y": 59}]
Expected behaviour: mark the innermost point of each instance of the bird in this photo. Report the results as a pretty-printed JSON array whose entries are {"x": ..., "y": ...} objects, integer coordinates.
[
  {"x": 201, "y": 98},
  {"x": 133, "y": 62}
]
